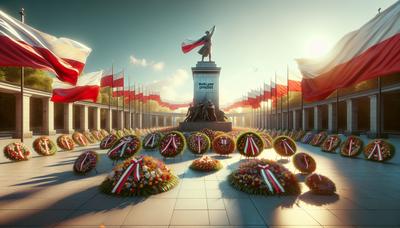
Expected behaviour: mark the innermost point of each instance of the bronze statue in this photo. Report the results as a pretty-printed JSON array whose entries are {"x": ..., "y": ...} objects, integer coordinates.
[
  {"x": 206, "y": 49},
  {"x": 204, "y": 111}
]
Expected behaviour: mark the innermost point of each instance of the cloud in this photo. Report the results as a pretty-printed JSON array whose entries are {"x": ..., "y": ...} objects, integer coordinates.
[
  {"x": 174, "y": 87},
  {"x": 156, "y": 66}
]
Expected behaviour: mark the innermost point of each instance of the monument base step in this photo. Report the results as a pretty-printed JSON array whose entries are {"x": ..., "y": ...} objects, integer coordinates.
[{"x": 197, "y": 126}]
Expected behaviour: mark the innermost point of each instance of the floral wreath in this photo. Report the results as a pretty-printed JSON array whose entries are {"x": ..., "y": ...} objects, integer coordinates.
[
  {"x": 86, "y": 162},
  {"x": 264, "y": 177},
  {"x": 210, "y": 133},
  {"x": 97, "y": 135},
  {"x": 206, "y": 164},
  {"x": 152, "y": 140},
  {"x": 331, "y": 143},
  {"x": 44, "y": 146},
  {"x": 307, "y": 137},
  {"x": 267, "y": 140},
  {"x": 198, "y": 143},
  {"x": 16, "y": 152},
  {"x": 351, "y": 147},
  {"x": 124, "y": 148},
  {"x": 139, "y": 176},
  {"x": 80, "y": 139},
  {"x": 65, "y": 142},
  {"x": 299, "y": 135},
  {"x": 223, "y": 144},
  {"x": 320, "y": 185},
  {"x": 318, "y": 138},
  {"x": 284, "y": 146},
  {"x": 304, "y": 163},
  {"x": 108, "y": 141},
  {"x": 172, "y": 144},
  {"x": 104, "y": 132},
  {"x": 379, "y": 150},
  {"x": 250, "y": 144},
  {"x": 90, "y": 138}
]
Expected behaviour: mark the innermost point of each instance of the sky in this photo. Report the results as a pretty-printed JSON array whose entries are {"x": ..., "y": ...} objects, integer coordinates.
[{"x": 253, "y": 39}]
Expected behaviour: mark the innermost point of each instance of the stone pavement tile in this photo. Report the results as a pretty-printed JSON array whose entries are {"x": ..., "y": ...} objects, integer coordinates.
[
  {"x": 287, "y": 217},
  {"x": 215, "y": 204},
  {"x": 212, "y": 184},
  {"x": 151, "y": 211},
  {"x": 325, "y": 217},
  {"x": 368, "y": 217},
  {"x": 113, "y": 217},
  {"x": 218, "y": 217},
  {"x": 108, "y": 202},
  {"x": 344, "y": 227},
  {"x": 194, "y": 204},
  {"x": 242, "y": 212},
  {"x": 190, "y": 217},
  {"x": 171, "y": 194},
  {"x": 343, "y": 203},
  {"x": 214, "y": 193},
  {"x": 140, "y": 227},
  {"x": 188, "y": 185},
  {"x": 297, "y": 226},
  {"x": 378, "y": 204},
  {"x": 192, "y": 193},
  {"x": 43, "y": 218},
  {"x": 40, "y": 203}
]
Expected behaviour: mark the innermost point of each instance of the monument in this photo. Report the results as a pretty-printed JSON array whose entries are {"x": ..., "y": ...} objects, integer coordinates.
[{"x": 204, "y": 112}]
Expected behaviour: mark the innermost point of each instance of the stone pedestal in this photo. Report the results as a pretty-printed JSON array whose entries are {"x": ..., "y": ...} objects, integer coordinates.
[
  {"x": 197, "y": 126},
  {"x": 97, "y": 118},
  {"x": 84, "y": 120},
  {"x": 206, "y": 83}
]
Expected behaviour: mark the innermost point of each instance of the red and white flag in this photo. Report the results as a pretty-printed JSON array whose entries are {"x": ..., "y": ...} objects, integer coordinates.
[
  {"x": 22, "y": 45},
  {"x": 369, "y": 52},
  {"x": 294, "y": 81},
  {"x": 107, "y": 79},
  {"x": 118, "y": 79},
  {"x": 87, "y": 88},
  {"x": 189, "y": 45}
]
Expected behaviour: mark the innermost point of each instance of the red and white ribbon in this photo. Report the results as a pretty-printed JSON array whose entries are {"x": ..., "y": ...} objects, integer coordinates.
[
  {"x": 224, "y": 141},
  {"x": 151, "y": 139},
  {"x": 198, "y": 141},
  {"x": 331, "y": 139},
  {"x": 377, "y": 148},
  {"x": 305, "y": 160},
  {"x": 270, "y": 179},
  {"x": 116, "y": 148},
  {"x": 18, "y": 149},
  {"x": 107, "y": 140},
  {"x": 46, "y": 146},
  {"x": 66, "y": 142},
  {"x": 83, "y": 161},
  {"x": 133, "y": 167},
  {"x": 250, "y": 145},
  {"x": 81, "y": 139},
  {"x": 350, "y": 146},
  {"x": 170, "y": 141},
  {"x": 286, "y": 146}
]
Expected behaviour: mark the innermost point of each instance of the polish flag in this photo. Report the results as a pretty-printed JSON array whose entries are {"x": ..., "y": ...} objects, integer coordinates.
[
  {"x": 281, "y": 86},
  {"x": 107, "y": 79},
  {"x": 267, "y": 91},
  {"x": 118, "y": 91},
  {"x": 252, "y": 99},
  {"x": 369, "y": 52},
  {"x": 87, "y": 88},
  {"x": 119, "y": 79},
  {"x": 24, "y": 46},
  {"x": 189, "y": 45}
]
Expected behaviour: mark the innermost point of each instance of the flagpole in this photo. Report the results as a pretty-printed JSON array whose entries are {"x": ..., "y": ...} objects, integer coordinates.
[
  {"x": 123, "y": 101},
  {"x": 337, "y": 111},
  {"x": 287, "y": 97},
  {"x": 22, "y": 14},
  {"x": 302, "y": 109},
  {"x": 109, "y": 96},
  {"x": 276, "y": 105},
  {"x": 129, "y": 102},
  {"x": 379, "y": 113}
]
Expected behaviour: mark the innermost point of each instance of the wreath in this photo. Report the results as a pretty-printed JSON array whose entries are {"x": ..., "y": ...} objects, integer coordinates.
[
  {"x": 198, "y": 143},
  {"x": 250, "y": 144},
  {"x": 320, "y": 184},
  {"x": 318, "y": 138},
  {"x": 172, "y": 144},
  {"x": 267, "y": 140},
  {"x": 331, "y": 143},
  {"x": 97, "y": 135},
  {"x": 210, "y": 133},
  {"x": 108, "y": 141},
  {"x": 304, "y": 163},
  {"x": 273, "y": 133},
  {"x": 264, "y": 177},
  {"x": 152, "y": 140},
  {"x": 124, "y": 148},
  {"x": 223, "y": 144},
  {"x": 104, "y": 132},
  {"x": 89, "y": 137},
  {"x": 299, "y": 135},
  {"x": 65, "y": 142},
  {"x": 16, "y": 152},
  {"x": 127, "y": 132},
  {"x": 86, "y": 162},
  {"x": 80, "y": 139},
  {"x": 284, "y": 146},
  {"x": 119, "y": 133},
  {"x": 206, "y": 164},
  {"x": 379, "y": 150},
  {"x": 351, "y": 147},
  {"x": 139, "y": 176},
  {"x": 44, "y": 146},
  {"x": 291, "y": 134},
  {"x": 307, "y": 137}
]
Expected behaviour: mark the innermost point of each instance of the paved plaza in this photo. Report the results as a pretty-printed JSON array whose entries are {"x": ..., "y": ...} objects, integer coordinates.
[{"x": 44, "y": 192}]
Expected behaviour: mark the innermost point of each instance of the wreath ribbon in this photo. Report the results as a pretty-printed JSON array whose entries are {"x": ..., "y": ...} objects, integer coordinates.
[
  {"x": 18, "y": 149},
  {"x": 81, "y": 139},
  {"x": 305, "y": 160},
  {"x": 253, "y": 146},
  {"x": 270, "y": 179},
  {"x": 330, "y": 140},
  {"x": 122, "y": 143},
  {"x": 286, "y": 146},
  {"x": 350, "y": 146},
  {"x": 133, "y": 167},
  {"x": 152, "y": 139},
  {"x": 224, "y": 141},
  {"x": 198, "y": 138},
  {"x": 84, "y": 159},
  {"x": 46, "y": 146},
  {"x": 171, "y": 140},
  {"x": 66, "y": 142},
  {"x": 107, "y": 139},
  {"x": 377, "y": 147}
]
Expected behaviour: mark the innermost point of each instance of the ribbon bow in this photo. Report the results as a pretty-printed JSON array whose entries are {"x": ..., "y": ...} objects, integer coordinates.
[
  {"x": 286, "y": 146},
  {"x": 84, "y": 159},
  {"x": 330, "y": 140},
  {"x": 224, "y": 141},
  {"x": 253, "y": 146},
  {"x": 377, "y": 148},
  {"x": 198, "y": 141},
  {"x": 172, "y": 139},
  {"x": 152, "y": 139},
  {"x": 270, "y": 179},
  {"x": 123, "y": 144},
  {"x": 133, "y": 167}
]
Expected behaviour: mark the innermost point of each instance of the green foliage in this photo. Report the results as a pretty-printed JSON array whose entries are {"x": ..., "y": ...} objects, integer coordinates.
[{"x": 35, "y": 79}]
